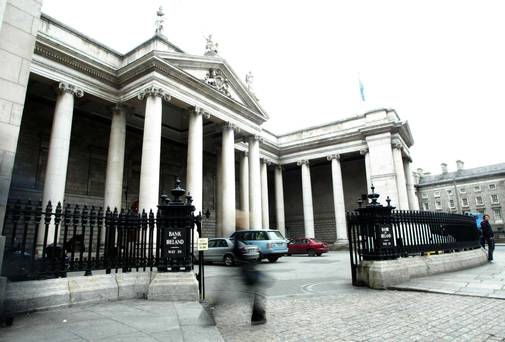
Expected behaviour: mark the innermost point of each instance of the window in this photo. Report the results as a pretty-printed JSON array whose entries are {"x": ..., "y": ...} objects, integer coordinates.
[
  {"x": 449, "y": 192},
  {"x": 478, "y": 200},
  {"x": 464, "y": 202},
  {"x": 476, "y": 188},
  {"x": 451, "y": 203},
  {"x": 492, "y": 186},
  {"x": 497, "y": 215},
  {"x": 426, "y": 207},
  {"x": 462, "y": 190},
  {"x": 436, "y": 194},
  {"x": 424, "y": 195},
  {"x": 494, "y": 199},
  {"x": 438, "y": 205}
]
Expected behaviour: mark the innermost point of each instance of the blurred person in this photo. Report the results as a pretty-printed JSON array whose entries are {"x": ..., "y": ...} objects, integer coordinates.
[
  {"x": 253, "y": 279},
  {"x": 488, "y": 236}
]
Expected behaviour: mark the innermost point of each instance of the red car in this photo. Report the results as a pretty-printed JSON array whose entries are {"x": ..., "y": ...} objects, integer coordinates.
[{"x": 307, "y": 246}]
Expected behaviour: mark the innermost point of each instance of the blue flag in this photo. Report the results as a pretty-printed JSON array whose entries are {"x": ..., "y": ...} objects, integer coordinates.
[{"x": 362, "y": 90}]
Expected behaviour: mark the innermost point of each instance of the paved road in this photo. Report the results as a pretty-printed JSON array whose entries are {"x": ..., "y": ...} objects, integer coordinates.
[{"x": 310, "y": 299}]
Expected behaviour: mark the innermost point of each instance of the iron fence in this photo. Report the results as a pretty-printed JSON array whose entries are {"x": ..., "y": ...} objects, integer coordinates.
[
  {"x": 51, "y": 241},
  {"x": 379, "y": 233}
]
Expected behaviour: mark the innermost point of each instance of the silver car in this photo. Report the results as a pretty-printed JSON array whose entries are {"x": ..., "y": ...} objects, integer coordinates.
[{"x": 221, "y": 250}]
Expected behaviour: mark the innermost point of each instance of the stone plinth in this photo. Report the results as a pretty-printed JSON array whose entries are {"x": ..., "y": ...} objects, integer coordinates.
[
  {"x": 92, "y": 289},
  {"x": 26, "y": 296},
  {"x": 170, "y": 286},
  {"x": 386, "y": 273}
]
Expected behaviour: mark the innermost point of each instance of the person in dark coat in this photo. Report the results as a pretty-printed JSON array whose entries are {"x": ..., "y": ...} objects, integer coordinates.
[
  {"x": 488, "y": 236},
  {"x": 252, "y": 279}
]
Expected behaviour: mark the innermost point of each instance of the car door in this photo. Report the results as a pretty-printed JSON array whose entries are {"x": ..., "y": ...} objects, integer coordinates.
[
  {"x": 210, "y": 254},
  {"x": 221, "y": 249}
]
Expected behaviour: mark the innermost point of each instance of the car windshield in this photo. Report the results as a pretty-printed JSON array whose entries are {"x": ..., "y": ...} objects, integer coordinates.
[{"x": 275, "y": 236}]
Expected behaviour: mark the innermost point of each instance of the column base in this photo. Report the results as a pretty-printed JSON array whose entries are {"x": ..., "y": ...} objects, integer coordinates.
[{"x": 340, "y": 245}]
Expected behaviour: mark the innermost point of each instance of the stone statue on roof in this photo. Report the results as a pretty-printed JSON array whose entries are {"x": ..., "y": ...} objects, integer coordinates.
[
  {"x": 159, "y": 21},
  {"x": 249, "y": 78},
  {"x": 210, "y": 47}
]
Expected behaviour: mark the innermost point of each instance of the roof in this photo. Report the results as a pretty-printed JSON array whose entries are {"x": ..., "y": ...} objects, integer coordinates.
[{"x": 477, "y": 172}]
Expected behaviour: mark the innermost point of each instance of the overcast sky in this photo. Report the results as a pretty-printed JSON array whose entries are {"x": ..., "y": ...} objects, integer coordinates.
[{"x": 439, "y": 64}]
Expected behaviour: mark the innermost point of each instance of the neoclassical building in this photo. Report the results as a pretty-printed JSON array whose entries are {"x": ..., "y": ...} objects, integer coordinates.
[{"x": 102, "y": 128}]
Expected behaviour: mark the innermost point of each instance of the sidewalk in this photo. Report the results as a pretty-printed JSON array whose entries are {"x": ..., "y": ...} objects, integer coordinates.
[
  {"x": 484, "y": 281},
  {"x": 137, "y": 321}
]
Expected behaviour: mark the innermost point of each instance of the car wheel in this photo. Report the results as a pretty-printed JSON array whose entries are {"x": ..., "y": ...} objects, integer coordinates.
[
  {"x": 228, "y": 260},
  {"x": 319, "y": 254},
  {"x": 311, "y": 252},
  {"x": 289, "y": 254},
  {"x": 273, "y": 258}
]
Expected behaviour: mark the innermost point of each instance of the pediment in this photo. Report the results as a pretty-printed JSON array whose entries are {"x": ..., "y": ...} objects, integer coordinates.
[{"x": 215, "y": 73}]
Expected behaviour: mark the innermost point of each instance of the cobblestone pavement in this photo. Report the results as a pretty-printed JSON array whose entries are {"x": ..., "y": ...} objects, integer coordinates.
[{"x": 368, "y": 315}]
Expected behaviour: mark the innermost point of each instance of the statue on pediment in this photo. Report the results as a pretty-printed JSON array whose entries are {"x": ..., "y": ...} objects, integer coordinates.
[
  {"x": 249, "y": 78},
  {"x": 159, "y": 21},
  {"x": 210, "y": 47}
]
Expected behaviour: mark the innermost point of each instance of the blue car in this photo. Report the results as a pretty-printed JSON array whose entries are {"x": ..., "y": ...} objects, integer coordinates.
[{"x": 272, "y": 245}]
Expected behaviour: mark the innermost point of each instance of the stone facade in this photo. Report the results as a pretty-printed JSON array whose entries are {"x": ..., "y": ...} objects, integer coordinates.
[
  {"x": 476, "y": 190},
  {"x": 94, "y": 117}
]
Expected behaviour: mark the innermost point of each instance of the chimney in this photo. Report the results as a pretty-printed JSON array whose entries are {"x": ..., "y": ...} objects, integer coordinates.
[
  {"x": 444, "y": 168},
  {"x": 460, "y": 165}
]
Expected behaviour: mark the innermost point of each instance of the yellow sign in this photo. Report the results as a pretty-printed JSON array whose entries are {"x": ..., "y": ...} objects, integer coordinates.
[{"x": 203, "y": 244}]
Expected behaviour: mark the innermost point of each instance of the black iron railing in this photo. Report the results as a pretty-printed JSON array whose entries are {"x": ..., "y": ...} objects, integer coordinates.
[
  {"x": 45, "y": 243},
  {"x": 380, "y": 233}
]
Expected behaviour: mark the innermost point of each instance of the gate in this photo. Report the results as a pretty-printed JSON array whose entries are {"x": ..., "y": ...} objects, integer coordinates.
[{"x": 378, "y": 232}]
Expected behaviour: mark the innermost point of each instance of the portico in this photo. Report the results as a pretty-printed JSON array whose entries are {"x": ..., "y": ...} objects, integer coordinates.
[{"x": 121, "y": 127}]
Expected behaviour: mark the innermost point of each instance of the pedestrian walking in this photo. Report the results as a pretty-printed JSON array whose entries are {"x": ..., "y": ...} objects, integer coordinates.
[
  {"x": 253, "y": 279},
  {"x": 488, "y": 236}
]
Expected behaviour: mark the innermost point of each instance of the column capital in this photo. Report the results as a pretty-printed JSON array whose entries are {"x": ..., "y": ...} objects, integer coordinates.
[
  {"x": 70, "y": 89},
  {"x": 231, "y": 125},
  {"x": 266, "y": 161},
  {"x": 364, "y": 151},
  {"x": 246, "y": 153},
  {"x": 303, "y": 162},
  {"x": 396, "y": 144},
  {"x": 118, "y": 107},
  {"x": 255, "y": 137},
  {"x": 154, "y": 91},
  {"x": 335, "y": 156},
  {"x": 279, "y": 167},
  {"x": 199, "y": 111}
]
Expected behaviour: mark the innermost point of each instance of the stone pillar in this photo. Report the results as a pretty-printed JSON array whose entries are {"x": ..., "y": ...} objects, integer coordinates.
[
  {"x": 228, "y": 179},
  {"x": 308, "y": 211},
  {"x": 57, "y": 158},
  {"x": 244, "y": 191},
  {"x": 151, "y": 149},
  {"x": 265, "y": 218},
  {"x": 115, "y": 160},
  {"x": 338, "y": 198},
  {"x": 279, "y": 200},
  {"x": 254, "y": 183},
  {"x": 194, "y": 166},
  {"x": 368, "y": 170},
  {"x": 219, "y": 192},
  {"x": 382, "y": 167},
  {"x": 411, "y": 190},
  {"x": 401, "y": 184}
]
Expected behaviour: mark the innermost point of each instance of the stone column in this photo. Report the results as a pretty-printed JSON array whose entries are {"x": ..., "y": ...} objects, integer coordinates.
[
  {"x": 338, "y": 198},
  {"x": 368, "y": 170},
  {"x": 219, "y": 192},
  {"x": 115, "y": 160},
  {"x": 194, "y": 166},
  {"x": 401, "y": 184},
  {"x": 59, "y": 146},
  {"x": 228, "y": 179},
  {"x": 265, "y": 218},
  {"x": 151, "y": 149},
  {"x": 411, "y": 190},
  {"x": 308, "y": 211},
  {"x": 254, "y": 183},
  {"x": 244, "y": 191},
  {"x": 279, "y": 200}
]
